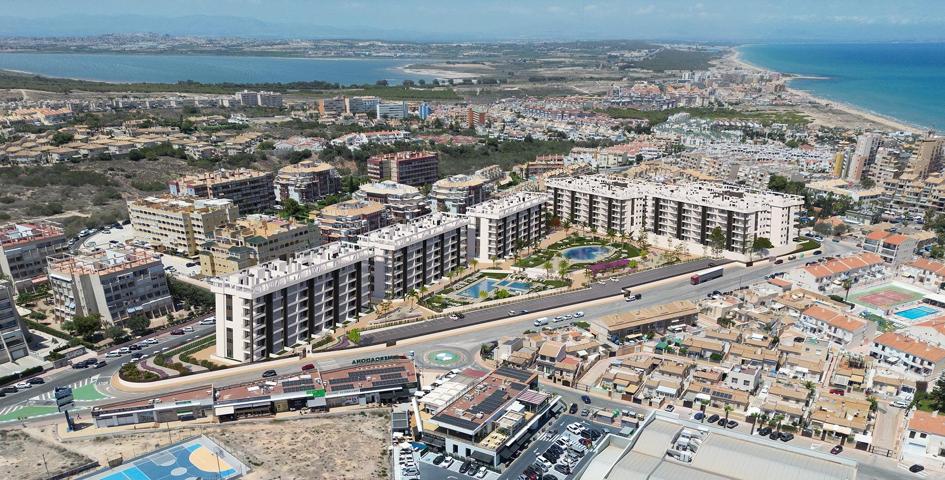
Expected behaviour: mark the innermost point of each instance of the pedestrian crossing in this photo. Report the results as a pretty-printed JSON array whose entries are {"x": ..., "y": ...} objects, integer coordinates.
[{"x": 49, "y": 396}]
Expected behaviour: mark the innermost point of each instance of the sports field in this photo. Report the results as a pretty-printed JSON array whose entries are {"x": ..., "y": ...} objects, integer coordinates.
[
  {"x": 885, "y": 297},
  {"x": 192, "y": 459}
]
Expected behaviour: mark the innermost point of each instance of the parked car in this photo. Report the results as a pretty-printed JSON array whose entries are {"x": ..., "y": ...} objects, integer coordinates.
[
  {"x": 23, "y": 385},
  {"x": 465, "y": 466},
  {"x": 307, "y": 367},
  {"x": 900, "y": 403},
  {"x": 713, "y": 418},
  {"x": 775, "y": 435},
  {"x": 836, "y": 449},
  {"x": 563, "y": 469},
  {"x": 36, "y": 381},
  {"x": 585, "y": 412},
  {"x": 578, "y": 314},
  {"x": 764, "y": 431},
  {"x": 731, "y": 424},
  {"x": 698, "y": 416},
  {"x": 269, "y": 373},
  {"x": 837, "y": 391},
  {"x": 6, "y": 390},
  {"x": 439, "y": 459},
  {"x": 779, "y": 261},
  {"x": 482, "y": 472},
  {"x": 573, "y": 409},
  {"x": 669, "y": 408},
  {"x": 818, "y": 252},
  {"x": 586, "y": 399},
  {"x": 916, "y": 468},
  {"x": 787, "y": 437}
]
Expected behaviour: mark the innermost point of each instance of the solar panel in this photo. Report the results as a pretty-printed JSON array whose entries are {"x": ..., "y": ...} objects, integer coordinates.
[
  {"x": 518, "y": 374},
  {"x": 345, "y": 386},
  {"x": 388, "y": 376},
  {"x": 490, "y": 403},
  {"x": 456, "y": 421}
]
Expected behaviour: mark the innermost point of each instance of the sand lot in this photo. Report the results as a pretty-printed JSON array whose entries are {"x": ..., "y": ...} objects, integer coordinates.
[
  {"x": 338, "y": 446},
  {"x": 21, "y": 456}
]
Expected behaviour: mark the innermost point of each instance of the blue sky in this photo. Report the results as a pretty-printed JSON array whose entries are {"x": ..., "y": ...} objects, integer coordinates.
[{"x": 735, "y": 20}]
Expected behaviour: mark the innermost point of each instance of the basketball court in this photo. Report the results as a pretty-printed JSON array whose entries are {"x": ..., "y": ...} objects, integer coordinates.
[{"x": 197, "y": 458}]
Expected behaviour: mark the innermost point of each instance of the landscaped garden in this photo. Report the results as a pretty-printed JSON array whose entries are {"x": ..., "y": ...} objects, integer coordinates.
[
  {"x": 488, "y": 285},
  {"x": 577, "y": 252}
]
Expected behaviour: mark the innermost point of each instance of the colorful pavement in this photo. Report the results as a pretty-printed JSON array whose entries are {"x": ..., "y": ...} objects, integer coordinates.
[
  {"x": 198, "y": 458},
  {"x": 885, "y": 297}
]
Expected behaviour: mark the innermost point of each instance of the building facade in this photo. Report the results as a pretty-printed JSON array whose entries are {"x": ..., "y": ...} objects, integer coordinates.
[
  {"x": 459, "y": 192},
  {"x": 596, "y": 202},
  {"x": 23, "y": 251},
  {"x": 253, "y": 240},
  {"x": 306, "y": 182},
  {"x": 179, "y": 224},
  {"x": 408, "y": 168},
  {"x": 406, "y": 257},
  {"x": 267, "y": 308},
  {"x": 401, "y": 202},
  {"x": 504, "y": 225},
  {"x": 13, "y": 333},
  {"x": 250, "y": 190},
  {"x": 116, "y": 283},
  {"x": 350, "y": 219}
]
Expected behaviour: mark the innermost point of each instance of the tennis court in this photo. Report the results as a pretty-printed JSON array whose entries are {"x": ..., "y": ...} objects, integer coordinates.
[
  {"x": 885, "y": 297},
  {"x": 197, "y": 458}
]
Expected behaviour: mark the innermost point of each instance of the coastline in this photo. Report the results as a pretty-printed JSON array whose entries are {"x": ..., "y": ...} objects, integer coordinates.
[
  {"x": 409, "y": 69},
  {"x": 735, "y": 57}
]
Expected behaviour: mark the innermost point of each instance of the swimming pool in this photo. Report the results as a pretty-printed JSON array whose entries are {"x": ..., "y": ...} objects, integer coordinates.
[
  {"x": 916, "y": 312},
  {"x": 587, "y": 253},
  {"x": 489, "y": 284}
]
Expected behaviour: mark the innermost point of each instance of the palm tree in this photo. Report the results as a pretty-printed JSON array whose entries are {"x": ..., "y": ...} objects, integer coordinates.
[
  {"x": 547, "y": 266},
  {"x": 728, "y": 409},
  {"x": 847, "y": 284},
  {"x": 474, "y": 263},
  {"x": 753, "y": 418},
  {"x": 777, "y": 421},
  {"x": 563, "y": 265},
  {"x": 412, "y": 294},
  {"x": 494, "y": 260}
]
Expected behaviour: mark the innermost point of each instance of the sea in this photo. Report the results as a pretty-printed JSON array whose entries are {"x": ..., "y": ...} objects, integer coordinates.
[
  {"x": 904, "y": 81},
  {"x": 128, "y": 68}
]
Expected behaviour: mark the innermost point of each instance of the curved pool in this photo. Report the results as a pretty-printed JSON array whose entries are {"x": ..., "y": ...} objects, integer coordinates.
[{"x": 587, "y": 253}]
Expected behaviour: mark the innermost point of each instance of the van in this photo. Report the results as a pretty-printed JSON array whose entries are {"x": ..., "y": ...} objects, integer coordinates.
[{"x": 539, "y": 322}]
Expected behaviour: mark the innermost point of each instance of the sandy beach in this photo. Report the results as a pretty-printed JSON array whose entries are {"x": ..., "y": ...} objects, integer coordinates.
[
  {"x": 826, "y": 110},
  {"x": 436, "y": 72}
]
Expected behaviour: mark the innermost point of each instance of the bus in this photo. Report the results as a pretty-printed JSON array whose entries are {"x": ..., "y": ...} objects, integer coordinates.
[{"x": 706, "y": 275}]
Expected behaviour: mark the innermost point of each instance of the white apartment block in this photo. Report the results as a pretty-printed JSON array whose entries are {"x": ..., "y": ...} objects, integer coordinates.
[
  {"x": 271, "y": 307},
  {"x": 13, "y": 332},
  {"x": 504, "y": 224},
  {"x": 837, "y": 327},
  {"x": 420, "y": 252},
  {"x": 179, "y": 224},
  {"x": 596, "y": 202},
  {"x": 116, "y": 283},
  {"x": 23, "y": 251}
]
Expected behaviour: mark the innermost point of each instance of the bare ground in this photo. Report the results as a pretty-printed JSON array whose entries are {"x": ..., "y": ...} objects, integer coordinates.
[{"x": 23, "y": 455}]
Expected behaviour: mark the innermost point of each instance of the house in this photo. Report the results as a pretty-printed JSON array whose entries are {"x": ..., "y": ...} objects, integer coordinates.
[
  {"x": 674, "y": 370},
  {"x": 739, "y": 354},
  {"x": 925, "y": 435},
  {"x": 705, "y": 348},
  {"x": 839, "y": 417},
  {"x": 829, "y": 276},
  {"x": 716, "y": 396},
  {"x": 893, "y": 386},
  {"x": 549, "y": 354},
  {"x": 909, "y": 354},
  {"x": 806, "y": 368},
  {"x": 744, "y": 378},
  {"x": 925, "y": 272},
  {"x": 836, "y": 327},
  {"x": 567, "y": 371},
  {"x": 793, "y": 413},
  {"x": 894, "y": 248},
  {"x": 850, "y": 374}
]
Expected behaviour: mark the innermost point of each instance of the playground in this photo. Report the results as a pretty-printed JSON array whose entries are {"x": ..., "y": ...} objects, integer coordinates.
[{"x": 196, "y": 458}]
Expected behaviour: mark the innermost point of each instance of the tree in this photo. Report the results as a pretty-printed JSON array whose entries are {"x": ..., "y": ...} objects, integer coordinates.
[
  {"x": 138, "y": 324},
  {"x": 474, "y": 263},
  {"x": 728, "y": 409},
  {"x": 753, "y": 418},
  {"x": 847, "y": 285},
  {"x": 823, "y": 228},
  {"x": 61, "y": 138},
  {"x": 867, "y": 183},
  {"x": 840, "y": 228},
  {"x": 717, "y": 241},
  {"x": 760, "y": 244},
  {"x": 293, "y": 210},
  {"x": 937, "y": 396},
  {"x": 115, "y": 333},
  {"x": 87, "y": 325},
  {"x": 354, "y": 335},
  {"x": 547, "y": 266}
]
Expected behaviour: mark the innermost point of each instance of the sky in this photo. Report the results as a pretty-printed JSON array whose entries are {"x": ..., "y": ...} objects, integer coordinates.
[{"x": 710, "y": 20}]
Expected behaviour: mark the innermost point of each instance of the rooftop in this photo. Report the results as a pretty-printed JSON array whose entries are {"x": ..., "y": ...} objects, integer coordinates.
[
  {"x": 388, "y": 187},
  {"x": 655, "y": 313},
  {"x": 169, "y": 203},
  {"x": 13, "y": 234},
  {"x": 400, "y": 234},
  {"x": 911, "y": 346},
  {"x": 507, "y": 205},
  {"x": 221, "y": 176},
  {"x": 480, "y": 403},
  {"x": 103, "y": 262}
]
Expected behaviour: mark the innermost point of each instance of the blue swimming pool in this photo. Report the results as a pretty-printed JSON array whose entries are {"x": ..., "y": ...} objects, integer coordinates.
[
  {"x": 916, "y": 312},
  {"x": 587, "y": 253},
  {"x": 488, "y": 285}
]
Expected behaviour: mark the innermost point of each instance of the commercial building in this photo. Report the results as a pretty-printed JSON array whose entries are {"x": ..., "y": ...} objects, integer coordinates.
[
  {"x": 407, "y": 256},
  {"x": 409, "y": 168},
  {"x": 402, "y": 202},
  {"x": 349, "y": 219},
  {"x": 597, "y": 202},
  {"x": 504, "y": 225},
  {"x": 13, "y": 332},
  {"x": 306, "y": 182},
  {"x": 457, "y": 193},
  {"x": 636, "y": 323},
  {"x": 397, "y": 110},
  {"x": 252, "y": 240},
  {"x": 490, "y": 418},
  {"x": 179, "y": 224},
  {"x": 115, "y": 283},
  {"x": 273, "y": 306},
  {"x": 23, "y": 251},
  {"x": 250, "y": 190}
]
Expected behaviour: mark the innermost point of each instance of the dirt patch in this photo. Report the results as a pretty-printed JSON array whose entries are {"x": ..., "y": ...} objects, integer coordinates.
[
  {"x": 205, "y": 353},
  {"x": 22, "y": 456},
  {"x": 343, "y": 446}
]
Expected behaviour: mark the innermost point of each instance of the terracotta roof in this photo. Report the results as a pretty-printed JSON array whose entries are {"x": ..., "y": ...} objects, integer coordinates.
[
  {"x": 896, "y": 239},
  {"x": 843, "y": 265},
  {"x": 911, "y": 346},
  {"x": 929, "y": 266},
  {"x": 780, "y": 282},
  {"x": 835, "y": 318},
  {"x": 551, "y": 349},
  {"x": 928, "y": 422},
  {"x": 877, "y": 235}
]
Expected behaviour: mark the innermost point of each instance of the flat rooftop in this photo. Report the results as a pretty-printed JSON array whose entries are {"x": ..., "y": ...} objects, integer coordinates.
[
  {"x": 392, "y": 373},
  {"x": 104, "y": 262},
  {"x": 508, "y": 205},
  {"x": 401, "y": 234},
  {"x": 13, "y": 234},
  {"x": 484, "y": 399}
]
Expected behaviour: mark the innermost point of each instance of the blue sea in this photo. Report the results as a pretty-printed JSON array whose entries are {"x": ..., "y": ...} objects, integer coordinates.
[
  {"x": 126, "y": 68},
  {"x": 905, "y": 81}
]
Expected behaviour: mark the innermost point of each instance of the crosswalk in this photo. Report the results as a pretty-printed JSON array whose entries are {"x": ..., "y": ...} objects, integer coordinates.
[{"x": 49, "y": 396}]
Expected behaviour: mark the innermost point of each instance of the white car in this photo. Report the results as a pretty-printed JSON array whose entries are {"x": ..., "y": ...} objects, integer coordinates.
[
  {"x": 578, "y": 314},
  {"x": 188, "y": 329},
  {"x": 482, "y": 472},
  {"x": 113, "y": 354},
  {"x": 151, "y": 341},
  {"x": 124, "y": 350},
  {"x": 899, "y": 403},
  {"x": 23, "y": 385},
  {"x": 447, "y": 462}
]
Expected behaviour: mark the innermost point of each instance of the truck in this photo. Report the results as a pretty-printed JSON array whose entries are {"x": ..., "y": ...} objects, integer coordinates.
[{"x": 706, "y": 275}]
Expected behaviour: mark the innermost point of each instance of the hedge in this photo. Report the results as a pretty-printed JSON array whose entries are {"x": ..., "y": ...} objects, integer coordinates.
[
  {"x": 58, "y": 333},
  {"x": 16, "y": 376}
]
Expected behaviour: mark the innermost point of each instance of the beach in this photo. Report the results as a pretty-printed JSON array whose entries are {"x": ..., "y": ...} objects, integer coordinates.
[{"x": 825, "y": 111}]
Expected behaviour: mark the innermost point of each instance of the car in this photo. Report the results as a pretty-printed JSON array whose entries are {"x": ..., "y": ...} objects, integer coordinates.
[
  {"x": 6, "y": 390},
  {"x": 698, "y": 416},
  {"x": 453, "y": 316},
  {"x": 188, "y": 329},
  {"x": 512, "y": 313},
  {"x": 439, "y": 459},
  {"x": 595, "y": 434},
  {"x": 482, "y": 472},
  {"x": 124, "y": 350},
  {"x": 575, "y": 428},
  {"x": 152, "y": 341},
  {"x": 269, "y": 373},
  {"x": 721, "y": 422},
  {"x": 585, "y": 412},
  {"x": 787, "y": 437},
  {"x": 916, "y": 468},
  {"x": 177, "y": 332},
  {"x": 731, "y": 424},
  {"x": 307, "y": 367},
  {"x": 79, "y": 365},
  {"x": 573, "y": 409},
  {"x": 900, "y": 403},
  {"x": 540, "y": 321},
  {"x": 559, "y": 318},
  {"x": 779, "y": 261},
  {"x": 578, "y": 314},
  {"x": 792, "y": 257},
  {"x": 563, "y": 469},
  {"x": 447, "y": 462},
  {"x": 764, "y": 431},
  {"x": 36, "y": 381},
  {"x": 134, "y": 347},
  {"x": 586, "y": 399},
  {"x": 136, "y": 356},
  {"x": 713, "y": 418},
  {"x": 100, "y": 364},
  {"x": 465, "y": 466},
  {"x": 207, "y": 321},
  {"x": 836, "y": 449},
  {"x": 23, "y": 385},
  {"x": 669, "y": 408},
  {"x": 818, "y": 252},
  {"x": 776, "y": 435},
  {"x": 113, "y": 354},
  {"x": 542, "y": 465},
  {"x": 632, "y": 298}
]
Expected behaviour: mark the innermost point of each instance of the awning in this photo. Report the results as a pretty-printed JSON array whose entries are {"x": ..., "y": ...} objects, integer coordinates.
[
  {"x": 223, "y": 411},
  {"x": 482, "y": 457},
  {"x": 185, "y": 413},
  {"x": 838, "y": 429},
  {"x": 863, "y": 438},
  {"x": 315, "y": 402}
]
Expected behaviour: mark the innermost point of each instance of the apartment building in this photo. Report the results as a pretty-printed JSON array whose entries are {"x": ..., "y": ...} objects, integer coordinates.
[
  {"x": 179, "y": 224},
  {"x": 457, "y": 193},
  {"x": 863, "y": 156},
  {"x": 409, "y": 168},
  {"x": 910, "y": 194},
  {"x": 407, "y": 256},
  {"x": 350, "y": 219},
  {"x": 396, "y": 110},
  {"x": 543, "y": 164},
  {"x": 503, "y": 225},
  {"x": 250, "y": 190},
  {"x": 13, "y": 333},
  {"x": 306, "y": 182},
  {"x": 597, "y": 202},
  {"x": 401, "y": 202},
  {"x": 895, "y": 249},
  {"x": 115, "y": 283},
  {"x": 23, "y": 251},
  {"x": 253, "y": 240},
  {"x": 268, "y": 308},
  {"x": 929, "y": 273},
  {"x": 259, "y": 99},
  {"x": 908, "y": 354},
  {"x": 837, "y": 327}
]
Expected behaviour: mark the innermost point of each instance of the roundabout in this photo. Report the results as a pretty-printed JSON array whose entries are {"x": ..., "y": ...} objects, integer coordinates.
[{"x": 445, "y": 357}]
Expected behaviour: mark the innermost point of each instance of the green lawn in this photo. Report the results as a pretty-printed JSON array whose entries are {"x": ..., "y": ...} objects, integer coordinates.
[{"x": 29, "y": 411}]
